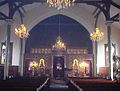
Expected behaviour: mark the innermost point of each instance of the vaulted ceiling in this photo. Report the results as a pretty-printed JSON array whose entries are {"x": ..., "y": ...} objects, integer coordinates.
[{"x": 110, "y": 8}]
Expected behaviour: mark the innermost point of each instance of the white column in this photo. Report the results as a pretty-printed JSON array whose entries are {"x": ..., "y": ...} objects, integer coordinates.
[
  {"x": 7, "y": 58},
  {"x": 21, "y": 57},
  {"x": 109, "y": 23},
  {"x": 95, "y": 59}
]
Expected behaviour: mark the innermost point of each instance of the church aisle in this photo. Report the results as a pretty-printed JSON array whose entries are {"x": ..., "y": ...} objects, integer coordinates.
[{"x": 59, "y": 85}]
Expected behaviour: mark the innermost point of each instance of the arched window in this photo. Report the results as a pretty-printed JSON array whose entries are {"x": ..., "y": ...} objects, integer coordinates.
[{"x": 3, "y": 54}]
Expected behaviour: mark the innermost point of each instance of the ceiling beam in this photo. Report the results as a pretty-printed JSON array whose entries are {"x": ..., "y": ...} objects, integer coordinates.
[
  {"x": 116, "y": 17},
  {"x": 21, "y": 3},
  {"x": 88, "y": 1},
  {"x": 116, "y": 5},
  {"x": 3, "y": 16},
  {"x": 3, "y": 2}
]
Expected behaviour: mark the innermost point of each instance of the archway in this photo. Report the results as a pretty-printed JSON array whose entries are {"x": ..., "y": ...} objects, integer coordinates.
[{"x": 44, "y": 34}]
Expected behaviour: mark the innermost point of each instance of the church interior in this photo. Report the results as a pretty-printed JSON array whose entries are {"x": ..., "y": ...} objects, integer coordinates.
[{"x": 59, "y": 45}]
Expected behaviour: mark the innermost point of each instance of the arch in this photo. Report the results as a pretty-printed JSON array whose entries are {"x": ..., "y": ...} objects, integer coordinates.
[
  {"x": 70, "y": 14},
  {"x": 75, "y": 29}
]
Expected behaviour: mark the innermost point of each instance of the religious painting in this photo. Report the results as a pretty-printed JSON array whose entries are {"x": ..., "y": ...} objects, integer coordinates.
[
  {"x": 75, "y": 67},
  {"x": 41, "y": 66},
  {"x": 42, "y": 63}
]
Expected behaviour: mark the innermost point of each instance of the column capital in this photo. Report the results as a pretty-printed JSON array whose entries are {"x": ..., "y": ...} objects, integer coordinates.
[
  {"x": 109, "y": 22},
  {"x": 9, "y": 21}
]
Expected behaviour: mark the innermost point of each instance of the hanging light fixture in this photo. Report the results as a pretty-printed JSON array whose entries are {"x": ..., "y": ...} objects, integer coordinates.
[
  {"x": 59, "y": 4},
  {"x": 59, "y": 44},
  {"x": 97, "y": 35},
  {"x": 21, "y": 31}
]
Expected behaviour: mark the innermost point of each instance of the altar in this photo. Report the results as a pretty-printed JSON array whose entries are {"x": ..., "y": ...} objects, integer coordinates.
[{"x": 61, "y": 62}]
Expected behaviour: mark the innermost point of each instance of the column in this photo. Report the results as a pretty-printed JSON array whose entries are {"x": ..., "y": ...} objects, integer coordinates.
[
  {"x": 52, "y": 65},
  {"x": 95, "y": 59},
  {"x": 21, "y": 57},
  {"x": 109, "y": 23},
  {"x": 7, "y": 58},
  {"x": 96, "y": 52}
]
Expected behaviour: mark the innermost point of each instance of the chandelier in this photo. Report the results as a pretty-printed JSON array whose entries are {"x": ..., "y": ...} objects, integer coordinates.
[
  {"x": 21, "y": 31},
  {"x": 97, "y": 35},
  {"x": 59, "y": 44},
  {"x": 59, "y": 4}
]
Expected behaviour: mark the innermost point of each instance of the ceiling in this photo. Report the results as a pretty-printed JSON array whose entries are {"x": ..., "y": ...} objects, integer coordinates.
[
  {"x": 12, "y": 6},
  {"x": 117, "y": 2},
  {"x": 26, "y": 5}
]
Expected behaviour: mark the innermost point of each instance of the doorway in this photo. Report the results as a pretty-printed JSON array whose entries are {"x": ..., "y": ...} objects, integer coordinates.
[{"x": 58, "y": 66}]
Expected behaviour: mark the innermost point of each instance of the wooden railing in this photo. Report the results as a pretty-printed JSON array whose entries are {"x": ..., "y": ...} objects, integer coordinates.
[
  {"x": 76, "y": 86},
  {"x": 41, "y": 86}
]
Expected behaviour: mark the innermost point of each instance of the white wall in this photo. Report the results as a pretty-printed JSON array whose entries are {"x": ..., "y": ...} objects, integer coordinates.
[
  {"x": 3, "y": 30},
  {"x": 115, "y": 39},
  {"x": 78, "y": 13}
]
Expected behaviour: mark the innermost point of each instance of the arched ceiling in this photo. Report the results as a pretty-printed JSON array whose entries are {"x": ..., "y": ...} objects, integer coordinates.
[
  {"x": 44, "y": 34},
  {"x": 18, "y": 5},
  {"x": 110, "y": 8},
  {"x": 117, "y": 2}
]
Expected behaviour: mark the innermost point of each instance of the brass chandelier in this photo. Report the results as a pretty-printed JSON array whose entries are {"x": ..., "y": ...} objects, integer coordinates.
[
  {"x": 21, "y": 31},
  {"x": 59, "y": 4},
  {"x": 59, "y": 44},
  {"x": 97, "y": 35}
]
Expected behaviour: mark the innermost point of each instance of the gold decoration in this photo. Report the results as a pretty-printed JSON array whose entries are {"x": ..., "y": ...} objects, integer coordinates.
[
  {"x": 59, "y": 4},
  {"x": 21, "y": 31},
  {"x": 75, "y": 64},
  {"x": 97, "y": 35},
  {"x": 42, "y": 63},
  {"x": 32, "y": 66},
  {"x": 59, "y": 44}
]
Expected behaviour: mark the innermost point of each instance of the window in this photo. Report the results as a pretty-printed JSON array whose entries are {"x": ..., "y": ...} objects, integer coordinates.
[
  {"x": 113, "y": 52},
  {"x": 3, "y": 53}
]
